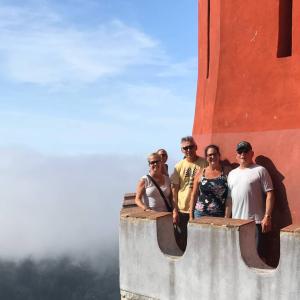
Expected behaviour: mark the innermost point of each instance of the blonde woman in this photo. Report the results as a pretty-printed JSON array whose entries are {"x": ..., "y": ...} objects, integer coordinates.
[{"x": 154, "y": 189}]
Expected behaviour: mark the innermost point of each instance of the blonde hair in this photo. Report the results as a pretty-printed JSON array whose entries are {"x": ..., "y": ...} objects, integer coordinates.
[{"x": 154, "y": 154}]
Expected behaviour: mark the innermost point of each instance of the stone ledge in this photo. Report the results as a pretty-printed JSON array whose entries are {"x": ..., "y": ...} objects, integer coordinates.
[
  {"x": 137, "y": 212},
  {"x": 294, "y": 228},
  {"x": 220, "y": 222},
  {"x": 125, "y": 295},
  {"x": 128, "y": 200}
]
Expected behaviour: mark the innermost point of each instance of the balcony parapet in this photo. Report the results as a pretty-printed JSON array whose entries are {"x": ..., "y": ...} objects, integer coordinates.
[{"x": 220, "y": 261}]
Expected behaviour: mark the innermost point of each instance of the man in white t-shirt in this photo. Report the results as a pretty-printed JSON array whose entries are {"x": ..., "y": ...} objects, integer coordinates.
[{"x": 252, "y": 194}]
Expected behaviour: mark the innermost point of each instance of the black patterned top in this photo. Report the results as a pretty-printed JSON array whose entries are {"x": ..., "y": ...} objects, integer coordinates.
[{"x": 212, "y": 196}]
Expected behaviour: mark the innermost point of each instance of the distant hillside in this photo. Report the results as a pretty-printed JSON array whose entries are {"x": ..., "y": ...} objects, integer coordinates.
[{"x": 57, "y": 279}]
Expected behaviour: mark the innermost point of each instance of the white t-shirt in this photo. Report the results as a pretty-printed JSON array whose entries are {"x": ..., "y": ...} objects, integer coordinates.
[
  {"x": 248, "y": 187},
  {"x": 152, "y": 197}
]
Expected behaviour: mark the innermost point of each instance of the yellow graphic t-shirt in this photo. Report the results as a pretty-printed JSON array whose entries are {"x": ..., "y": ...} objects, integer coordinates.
[{"x": 183, "y": 176}]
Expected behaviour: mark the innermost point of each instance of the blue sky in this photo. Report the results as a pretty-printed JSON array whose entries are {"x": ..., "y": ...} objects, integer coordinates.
[{"x": 97, "y": 76}]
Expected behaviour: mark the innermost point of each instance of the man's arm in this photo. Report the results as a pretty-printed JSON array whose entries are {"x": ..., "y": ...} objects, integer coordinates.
[
  {"x": 228, "y": 203},
  {"x": 266, "y": 223},
  {"x": 228, "y": 207},
  {"x": 175, "y": 189},
  {"x": 194, "y": 194}
]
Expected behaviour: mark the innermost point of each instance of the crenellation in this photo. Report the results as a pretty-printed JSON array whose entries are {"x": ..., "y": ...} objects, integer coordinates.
[{"x": 220, "y": 261}]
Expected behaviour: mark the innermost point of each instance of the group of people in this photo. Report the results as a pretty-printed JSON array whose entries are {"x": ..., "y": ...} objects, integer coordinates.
[{"x": 205, "y": 187}]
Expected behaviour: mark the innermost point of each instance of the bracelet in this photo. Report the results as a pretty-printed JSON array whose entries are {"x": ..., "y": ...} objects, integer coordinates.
[{"x": 268, "y": 216}]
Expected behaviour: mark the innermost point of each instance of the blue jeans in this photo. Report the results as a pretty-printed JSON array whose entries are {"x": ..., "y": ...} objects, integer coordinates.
[
  {"x": 180, "y": 230},
  {"x": 260, "y": 241}
]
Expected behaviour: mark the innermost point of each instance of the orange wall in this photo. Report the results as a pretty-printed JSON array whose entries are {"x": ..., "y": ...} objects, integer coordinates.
[{"x": 250, "y": 93}]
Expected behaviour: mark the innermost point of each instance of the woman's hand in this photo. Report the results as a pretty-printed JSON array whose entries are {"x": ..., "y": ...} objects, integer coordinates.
[{"x": 140, "y": 190}]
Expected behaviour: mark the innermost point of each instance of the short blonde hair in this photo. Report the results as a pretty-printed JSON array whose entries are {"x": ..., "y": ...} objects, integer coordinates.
[{"x": 153, "y": 154}]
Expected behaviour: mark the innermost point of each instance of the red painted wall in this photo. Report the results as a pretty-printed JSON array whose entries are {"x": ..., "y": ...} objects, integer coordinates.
[{"x": 246, "y": 92}]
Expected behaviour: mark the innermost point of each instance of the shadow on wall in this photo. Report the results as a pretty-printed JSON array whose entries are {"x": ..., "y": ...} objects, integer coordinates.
[{"x": 281, "y": 216}]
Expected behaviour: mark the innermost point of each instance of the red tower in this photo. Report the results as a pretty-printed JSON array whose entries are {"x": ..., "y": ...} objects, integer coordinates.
[{"x": 249, "y": 89}]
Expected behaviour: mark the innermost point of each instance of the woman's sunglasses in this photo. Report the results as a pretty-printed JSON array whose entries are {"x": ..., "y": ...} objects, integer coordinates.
[
  {"x": 153, "y": 162},
  {"x": 212, "y": 154}
]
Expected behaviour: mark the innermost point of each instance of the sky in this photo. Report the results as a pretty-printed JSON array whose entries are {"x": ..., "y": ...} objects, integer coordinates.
[
  {"x": 97, "y": 76},
  {"x": 88, "y": 89}
]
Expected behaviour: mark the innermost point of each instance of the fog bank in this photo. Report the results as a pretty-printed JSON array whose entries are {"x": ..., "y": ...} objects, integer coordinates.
[{"x": 53, "y": 206}]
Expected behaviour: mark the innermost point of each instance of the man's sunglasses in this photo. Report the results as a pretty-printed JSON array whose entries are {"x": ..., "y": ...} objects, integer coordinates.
[
  {"x": 190, "y": 147},
  {"x": 153, "y": 162},
  {"x": 245, "y": 151}
]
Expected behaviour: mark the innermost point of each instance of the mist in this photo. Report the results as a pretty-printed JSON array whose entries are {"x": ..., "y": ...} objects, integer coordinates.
[{"x": 62, "y": 213}]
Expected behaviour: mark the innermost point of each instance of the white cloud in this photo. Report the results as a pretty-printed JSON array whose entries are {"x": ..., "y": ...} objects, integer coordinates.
[
  {"x": 127, "y": 108},
  {"x": 125, "y": 115},
  {"x": 37, "y": 46},
  {"x": 52, "y": 134},
  {"x": 149, "y": 104},
  {"x": 62, "y": 205},
  {"x": 185, "y": 68},
  {"x": 14, "y": 17}
]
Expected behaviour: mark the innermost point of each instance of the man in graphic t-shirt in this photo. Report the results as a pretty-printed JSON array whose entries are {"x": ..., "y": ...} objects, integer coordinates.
[
  {"x": 182, "y": 184},
  {"x": 252, "y": 194}
]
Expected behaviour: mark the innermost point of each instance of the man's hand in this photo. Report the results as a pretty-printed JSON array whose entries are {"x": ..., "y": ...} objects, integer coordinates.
[
  {"x": 266, "y": 224},
  {"x": 175, "y": 216}
]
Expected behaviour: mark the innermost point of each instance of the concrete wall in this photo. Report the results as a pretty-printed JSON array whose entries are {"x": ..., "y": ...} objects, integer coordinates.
[{"x": 220, "y": 261}]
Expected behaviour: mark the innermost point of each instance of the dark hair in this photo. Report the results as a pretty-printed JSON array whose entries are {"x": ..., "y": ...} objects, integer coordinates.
[
  {"x": 162, "y": 150},
  {"x": 211, "y": 146}
]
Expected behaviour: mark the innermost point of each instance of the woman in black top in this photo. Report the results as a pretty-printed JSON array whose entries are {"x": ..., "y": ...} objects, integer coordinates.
[{"x": 210, "y": 189}]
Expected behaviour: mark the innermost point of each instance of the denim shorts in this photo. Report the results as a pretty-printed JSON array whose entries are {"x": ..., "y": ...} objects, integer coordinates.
[{"x": 199, "y": 214}]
